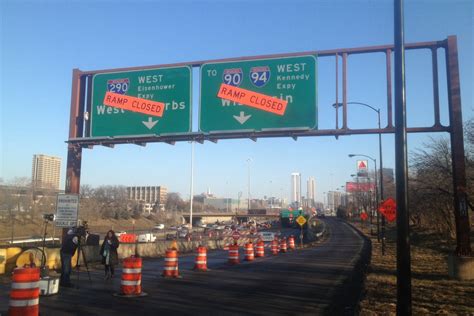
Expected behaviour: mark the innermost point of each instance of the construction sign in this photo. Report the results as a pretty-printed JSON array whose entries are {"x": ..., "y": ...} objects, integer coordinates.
[
  {"x": 301, "y": 220},
  {"x": 388, "y": 208}
]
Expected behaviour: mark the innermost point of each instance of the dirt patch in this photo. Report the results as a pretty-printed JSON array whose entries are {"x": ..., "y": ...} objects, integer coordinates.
[{"x": 432, "y": 290}]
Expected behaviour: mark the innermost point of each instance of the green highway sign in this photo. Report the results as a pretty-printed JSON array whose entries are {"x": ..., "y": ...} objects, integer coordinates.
[
  {"x": 291, "y": 79},
  {"x": 171, "y": 86}
]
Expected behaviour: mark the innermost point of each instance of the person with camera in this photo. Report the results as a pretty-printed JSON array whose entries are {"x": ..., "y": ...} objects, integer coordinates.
[
  {"x": 109, "y": 254},
  {"x": 68, "y": 249}
]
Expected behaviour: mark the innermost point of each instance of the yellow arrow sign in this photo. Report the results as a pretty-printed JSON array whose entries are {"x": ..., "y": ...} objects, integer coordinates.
[{"x": 301, "y": 220}]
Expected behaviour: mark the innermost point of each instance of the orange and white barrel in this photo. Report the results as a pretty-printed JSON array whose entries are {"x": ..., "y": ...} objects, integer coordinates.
[
  {"x": 131, "y": 281},
  {"x": 283, "y": 247},
  {"x": 260, "y": 249},
  {"x": 171, "y": 264},
  {"x": 24, "y": 295},
  {"x": 249, "y": 255},
  {"x": 201, "y": 259},
  {"x": 233, "y": 254},
  {"x": 291, "y": 242},
  {"x": 275, "y": 248}
]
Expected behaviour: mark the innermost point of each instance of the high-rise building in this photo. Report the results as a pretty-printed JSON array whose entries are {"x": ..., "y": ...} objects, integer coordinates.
[
  {"x": 46, "y": 172},
  {"x": 311, "y": 191},
  {"x": 336, "y": 199},
  {"x": 150, "y": 194},
  {"x": 296, "y": 188}
]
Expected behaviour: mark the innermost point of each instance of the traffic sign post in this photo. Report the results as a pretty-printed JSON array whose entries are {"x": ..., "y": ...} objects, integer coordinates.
[
  {"x": 142, "y": 102},
  {"x": 388, "y": 208},
  {"x": 67, "y": 207},
  {"x": 278, "y": 93},
  {"x": 301, "y": 220}
]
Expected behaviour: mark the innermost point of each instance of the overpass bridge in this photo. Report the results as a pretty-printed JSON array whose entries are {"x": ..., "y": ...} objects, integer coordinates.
[{"x": 221, "y": 217}]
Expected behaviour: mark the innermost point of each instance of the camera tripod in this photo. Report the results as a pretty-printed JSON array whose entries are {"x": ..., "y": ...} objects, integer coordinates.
[{"x": 80, "y": 252}]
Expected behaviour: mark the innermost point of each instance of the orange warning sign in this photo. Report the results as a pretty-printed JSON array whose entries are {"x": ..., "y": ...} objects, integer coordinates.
[
  {"x": 253, "y": 99},
  {"x": 134, "y": 104}
]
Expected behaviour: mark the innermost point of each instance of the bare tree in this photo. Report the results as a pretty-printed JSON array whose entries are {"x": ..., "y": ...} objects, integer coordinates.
[{"x": 431, "y": 186}]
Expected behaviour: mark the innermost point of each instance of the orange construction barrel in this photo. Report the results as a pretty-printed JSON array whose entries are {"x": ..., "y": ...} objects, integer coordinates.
[
  {"x": 171, "y": 264},
  {"x": 24, "y": 295},
  {"x": 201, "y": 259},
  {"x": 131, "y": 282}
]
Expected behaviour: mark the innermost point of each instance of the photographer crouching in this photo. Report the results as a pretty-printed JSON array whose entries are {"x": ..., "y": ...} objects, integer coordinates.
[{"x": 68, "y": 249}]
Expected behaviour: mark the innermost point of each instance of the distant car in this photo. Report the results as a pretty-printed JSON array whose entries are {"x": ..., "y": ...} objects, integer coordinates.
[
  {"x": 220, "y": 227},
  {"x": 201, "y": 225},
  {"x": 146, "y": 237},
  {"x": 182, "y": 233},
  {"x": 173, "y": 227},
  {"x": 160, "y": 226},
  {"x": 170, "y": 236},
  {"x": 267, "y": 236}
]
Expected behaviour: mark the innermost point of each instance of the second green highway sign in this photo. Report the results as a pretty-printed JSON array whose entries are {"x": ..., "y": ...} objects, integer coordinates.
[{"x": 278, "y": 93}]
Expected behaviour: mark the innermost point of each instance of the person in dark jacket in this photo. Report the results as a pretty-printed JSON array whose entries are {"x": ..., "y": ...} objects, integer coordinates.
[
  {"x": 108, "y": 251},
  {"x": 68, "y": 248}
]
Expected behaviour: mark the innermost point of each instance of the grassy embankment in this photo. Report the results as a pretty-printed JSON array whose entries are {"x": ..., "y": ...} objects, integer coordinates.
[{"x": 433, "y": 292}]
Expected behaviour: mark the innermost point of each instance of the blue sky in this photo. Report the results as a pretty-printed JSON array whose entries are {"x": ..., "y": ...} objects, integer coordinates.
[{"x": 42, "y": 41}]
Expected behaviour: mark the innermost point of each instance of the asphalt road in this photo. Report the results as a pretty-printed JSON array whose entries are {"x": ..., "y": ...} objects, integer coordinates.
[{"x": 307, "y": 281}]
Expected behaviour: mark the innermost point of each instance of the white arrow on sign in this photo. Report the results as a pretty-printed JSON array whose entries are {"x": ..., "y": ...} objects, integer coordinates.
[
  {"x": 242, "y": 118},
  {"x": 150, "y": 123}
]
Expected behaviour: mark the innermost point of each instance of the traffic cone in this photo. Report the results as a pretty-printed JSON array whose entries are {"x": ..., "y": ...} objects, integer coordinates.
[
  {"x": 248, "y": 251},
  {"x": 291, "y": 242},
  {"x": 260, "y": 251},
  {"x": 233, "y": 254},
  {"x": 201, "y": 259},
  {"x": 275, "y": 248},
  {"x": 283, "y": 245},
  {"x": 171, "y": 264}
]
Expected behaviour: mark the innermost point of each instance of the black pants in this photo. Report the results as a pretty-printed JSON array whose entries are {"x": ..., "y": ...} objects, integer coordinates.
[{"x": 109, "y": 269}]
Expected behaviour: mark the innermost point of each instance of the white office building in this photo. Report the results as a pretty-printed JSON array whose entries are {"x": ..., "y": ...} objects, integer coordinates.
[
  {"x": 296, "y": 188},
  {"x": 311, "y": 191}
]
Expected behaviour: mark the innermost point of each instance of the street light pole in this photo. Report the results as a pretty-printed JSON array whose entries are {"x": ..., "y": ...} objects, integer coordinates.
[
  {"x": 248, "y": 183},
  {"x": 191, "y": 188},
  {"x": 337, "y": 105},
  {"x": 381, "y": 192}
]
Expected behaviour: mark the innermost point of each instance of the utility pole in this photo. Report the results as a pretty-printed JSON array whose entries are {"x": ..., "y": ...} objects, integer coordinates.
[
  {"x": 191, "y": 188},
  {"x": 401, "y": 168}
]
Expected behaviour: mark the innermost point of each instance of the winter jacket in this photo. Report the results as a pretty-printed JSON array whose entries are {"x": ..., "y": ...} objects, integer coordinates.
[{"x": 113, "y": 259}]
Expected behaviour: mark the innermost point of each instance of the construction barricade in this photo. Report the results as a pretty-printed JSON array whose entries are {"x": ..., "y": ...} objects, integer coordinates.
[
  {"x": 283, "y": 247},
  {"x": 171, "y": 264},
  {"x": 128, "y": 238},
  {"x": 249, "y": 255},
  {"x": 291, "y": 242},
  {"x": 24, "y": 295},
  {"x": 131, "y": 281},
  {"x": 260, "y": 249},
  {"x": 233, "y": 254},
  {"x": 201, "y": 259}
]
